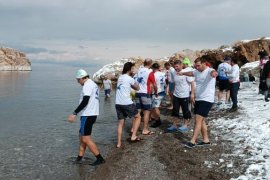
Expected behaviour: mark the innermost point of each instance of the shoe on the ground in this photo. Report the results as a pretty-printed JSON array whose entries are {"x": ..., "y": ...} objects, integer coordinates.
[
  {"x": 77, "y": 161},
  {"x": 190, "y": 145},
  {"x": 233, "y": 109},
  {"x": 156, "y": 124},
  {"x": 172, "y": 128},
  {"x": 98, "y": 162},
  {"x": 183, "y": 129},
  {"x": 203, "y": 143},
  {"x": 219, "y": 103}
]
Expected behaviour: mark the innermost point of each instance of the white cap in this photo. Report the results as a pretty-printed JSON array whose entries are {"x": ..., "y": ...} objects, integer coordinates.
[{"x": 81, "y": 73}]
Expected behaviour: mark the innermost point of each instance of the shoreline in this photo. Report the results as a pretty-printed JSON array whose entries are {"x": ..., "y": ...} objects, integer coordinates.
[{"x": 163, "y": 156}]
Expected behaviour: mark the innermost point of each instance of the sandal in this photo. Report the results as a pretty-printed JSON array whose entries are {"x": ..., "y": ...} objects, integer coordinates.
[
  {"x": 135, "y": 140},
  {"x": 149, "y": 133}
]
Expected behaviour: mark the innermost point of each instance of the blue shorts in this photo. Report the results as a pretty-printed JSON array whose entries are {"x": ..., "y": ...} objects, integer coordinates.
[
  {"x": 143, "y": 101},
  {"x": 171, "y": 87},
  {"x": 107, "y": 92},
  {"x": 202, "y": 108},
  {"x": 87, "y": 125},
  {"x": 157, "y": 100}
]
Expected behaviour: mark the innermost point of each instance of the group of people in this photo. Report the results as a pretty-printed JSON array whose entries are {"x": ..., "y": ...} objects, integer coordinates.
[{"x": 187, "y": 86}]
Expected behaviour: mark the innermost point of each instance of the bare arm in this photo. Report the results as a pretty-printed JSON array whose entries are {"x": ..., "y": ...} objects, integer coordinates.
[
  {"x": 192, "y": 97},
  {"x": 135, "y": 86},
  {"x": 214, "y": 73},
  {"x": 190, "y": 73}
]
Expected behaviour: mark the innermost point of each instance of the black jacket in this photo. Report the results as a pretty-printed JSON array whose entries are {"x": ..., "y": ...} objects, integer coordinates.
[{"x": 266, "y": 70}]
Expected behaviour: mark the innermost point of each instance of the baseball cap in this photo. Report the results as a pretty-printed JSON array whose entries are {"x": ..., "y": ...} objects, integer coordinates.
[{"x": 186, "y": 61}]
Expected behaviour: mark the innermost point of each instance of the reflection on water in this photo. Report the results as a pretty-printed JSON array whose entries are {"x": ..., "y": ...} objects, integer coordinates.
[
  {"x": 11, "y": 82},
  {"x": 36, "y": 141}
]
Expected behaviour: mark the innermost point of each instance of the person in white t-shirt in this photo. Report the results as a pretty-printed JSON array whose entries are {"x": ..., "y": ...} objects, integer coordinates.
[
  {"x": 124, "y": 104},
  {"x": 223, "y": 70},
  {"x": 234, "y": 80},
  {"x": 205, "y": 79},
  {"x": 181, "y": 96},
  {"x": 89, "y": 110},
  {"x": 160, "y": 81},
  {"x": 143, "y": 97},
  {"x": 169, "y": 78},
  {"x": 107, "y": 85}
]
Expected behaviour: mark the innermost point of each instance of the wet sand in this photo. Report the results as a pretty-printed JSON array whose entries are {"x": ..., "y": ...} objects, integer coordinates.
[{"x": 163, "y": 156}]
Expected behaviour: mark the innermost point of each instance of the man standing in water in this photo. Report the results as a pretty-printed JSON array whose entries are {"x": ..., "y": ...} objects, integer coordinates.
[
  {"x": 89, "y": 109},
  {"x": 205, "y": 79},
  {"x": 124, "y": 104},
  {"x": 107, "y": 85}
]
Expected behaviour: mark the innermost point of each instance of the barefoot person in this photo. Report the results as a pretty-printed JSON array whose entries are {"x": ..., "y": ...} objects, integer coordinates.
[
  {"x": 205, "y": 79},
  {"x": 146, "y": 80},
  {"x": 89, "y": 110},
  {"x": 124, "y": 104}
]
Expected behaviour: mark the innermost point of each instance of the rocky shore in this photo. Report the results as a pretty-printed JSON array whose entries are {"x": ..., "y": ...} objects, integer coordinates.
[
  {"x": 245, "y": 51},
  {"x": 13, "y": 60},
  {"x": 163, "y": 156}
]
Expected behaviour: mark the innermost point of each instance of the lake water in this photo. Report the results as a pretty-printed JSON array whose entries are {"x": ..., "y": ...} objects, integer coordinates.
[{"x": 36, "y": 141}]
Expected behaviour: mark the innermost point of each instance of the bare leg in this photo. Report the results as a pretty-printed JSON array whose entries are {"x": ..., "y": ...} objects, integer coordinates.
[
  {"x": 121, "y": 124},
  {"x": 227, "y": 95},
  {"x": 220, "y": 93},
  {"x": 90, "y": 144},
  {"x": 135, "y": 126},
  {"x": 175, "y": 121},
  {"x": 82, "y": 147},
  {"x": 197, "y": 128},
  {"x": 204, "y": 132},
  {"x": 186, "y": 123},
  {"x": 146, "y": 116}
]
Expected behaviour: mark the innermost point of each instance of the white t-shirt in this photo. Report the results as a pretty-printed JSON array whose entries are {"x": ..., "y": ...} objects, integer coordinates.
[
  {"x": 169, "y": 74},
  {"x": 90, "y": 89},
  {"x": 107, "y": 84},
  {"x": 160, "y": 81},
  {"x": 205, "y": 85},
  {"x": 142, "y": 77},
  {"x": 223, "y": 70},
  {"x": 123, "y": 90},
  {"x": 182, "y": 85},
  {"x": 234, "y": 75}
]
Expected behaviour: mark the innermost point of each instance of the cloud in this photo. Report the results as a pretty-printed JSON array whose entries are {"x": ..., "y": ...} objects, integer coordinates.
[{"x": 182, "y": 22}]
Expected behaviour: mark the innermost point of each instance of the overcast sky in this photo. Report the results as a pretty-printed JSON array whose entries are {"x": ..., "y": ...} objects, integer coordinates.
[{"x": 84, "y": 30}]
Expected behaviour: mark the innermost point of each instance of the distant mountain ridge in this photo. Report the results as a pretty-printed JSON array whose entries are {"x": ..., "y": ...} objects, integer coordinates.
[{"x": 13, "y": 60}]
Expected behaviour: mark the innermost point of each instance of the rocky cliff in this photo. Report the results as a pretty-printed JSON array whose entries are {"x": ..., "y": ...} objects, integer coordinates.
[
  {"x": 13, "y": 60},
  {"x": 245, "y": 51}
]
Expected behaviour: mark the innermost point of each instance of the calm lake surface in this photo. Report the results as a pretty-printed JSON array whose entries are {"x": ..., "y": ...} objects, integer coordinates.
[{"x": 36, "y": 141}]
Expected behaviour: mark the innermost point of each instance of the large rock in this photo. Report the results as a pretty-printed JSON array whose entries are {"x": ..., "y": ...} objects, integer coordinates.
[
  {"x": 13, "y": 60},
  {"x": 244, "y": 51},
  {"x": 113, "y": 70}
]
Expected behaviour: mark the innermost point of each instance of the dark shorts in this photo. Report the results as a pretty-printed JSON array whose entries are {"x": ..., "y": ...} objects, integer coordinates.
[
  {"x": 107, "y": 92},
  {"x": 143, "y": 101},
  {"x": 124, "y": 111},
  {"x": 202, "y": 108},
  {"x": 87, "y": 125},
  {"x": 171, "y": 87},
  {"x": 184, "y": 104},
  {"x": 224, "y": 85}
]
